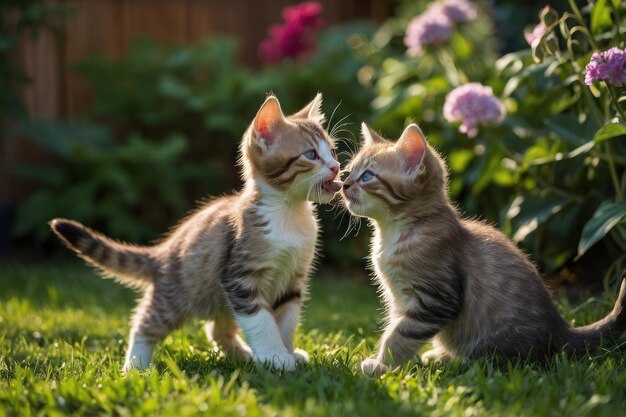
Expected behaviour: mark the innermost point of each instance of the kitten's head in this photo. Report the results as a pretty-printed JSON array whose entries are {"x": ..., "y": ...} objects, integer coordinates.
[
  {"x": 389, "y": 179},
  {"x": 291, "y": 154}
]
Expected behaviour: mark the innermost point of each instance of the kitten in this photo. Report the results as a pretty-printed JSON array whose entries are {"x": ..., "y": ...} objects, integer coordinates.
[
  {"x": 241, "y": 260},
  {"x": 459, "y": 282}
]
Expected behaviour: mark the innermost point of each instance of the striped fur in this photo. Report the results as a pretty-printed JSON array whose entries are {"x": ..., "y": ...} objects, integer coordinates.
[
  {"x": 458, "y": 283},
  {"x": 241, "y": 260}
]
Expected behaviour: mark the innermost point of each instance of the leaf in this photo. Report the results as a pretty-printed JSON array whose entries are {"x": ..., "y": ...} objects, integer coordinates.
[
  {"x": 528, "y": 212},
  {"x": 610, "y": 131},
  {"x": 568, "y": 128},
  {"x": 600, "y": 16},
  {"x": 603, "y": 220}
]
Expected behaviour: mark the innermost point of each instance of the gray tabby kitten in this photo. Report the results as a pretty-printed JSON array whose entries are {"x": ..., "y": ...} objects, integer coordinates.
[
  {"x": 459, "y": 282},
  {"x": 242, "y": 260}
]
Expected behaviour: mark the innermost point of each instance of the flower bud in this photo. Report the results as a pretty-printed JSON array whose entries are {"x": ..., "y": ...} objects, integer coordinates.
[{"x": 548, "y": 16}]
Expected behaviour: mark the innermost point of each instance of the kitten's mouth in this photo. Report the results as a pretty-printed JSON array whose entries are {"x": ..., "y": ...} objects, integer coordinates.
[{"x": 331, "y": 186}]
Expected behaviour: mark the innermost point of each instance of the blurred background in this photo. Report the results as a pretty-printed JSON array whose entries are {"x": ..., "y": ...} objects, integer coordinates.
[{"x": 122, "y": 114}]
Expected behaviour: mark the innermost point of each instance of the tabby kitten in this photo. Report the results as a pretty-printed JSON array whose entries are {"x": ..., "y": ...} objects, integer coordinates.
[
  {"x": 242, "y": 260},
  {"x": 459, "y": 282}
]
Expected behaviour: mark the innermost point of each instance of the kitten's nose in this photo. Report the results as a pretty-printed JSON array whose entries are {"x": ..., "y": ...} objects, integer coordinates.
[
  {"x": 335, "y": 169},
  {"x": 346, "y": 185}
]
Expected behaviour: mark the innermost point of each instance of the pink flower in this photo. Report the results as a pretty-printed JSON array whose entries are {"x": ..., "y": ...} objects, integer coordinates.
[
  {"x": 306, "y": 14},
  {"x": 436, "y": 24},
  {"x": 534, "y": 36},
  {"x": 472, "y": 104},
  {"x": 607, "y": 66},
  {"x": 426, "y": 29},
  {"x": 294, "y": 38},
  {"x": 458, "y": 10}
]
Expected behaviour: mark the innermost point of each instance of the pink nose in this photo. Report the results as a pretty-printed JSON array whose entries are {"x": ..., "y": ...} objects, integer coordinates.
[{"x": 335, "y": 169}]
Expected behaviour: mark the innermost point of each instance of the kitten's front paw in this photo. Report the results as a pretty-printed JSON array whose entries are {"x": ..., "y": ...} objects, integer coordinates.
[
  {"x": 279, "y": 361},
  {"x": 301, "y": 355},
  {"x": 373, "y": 366}
]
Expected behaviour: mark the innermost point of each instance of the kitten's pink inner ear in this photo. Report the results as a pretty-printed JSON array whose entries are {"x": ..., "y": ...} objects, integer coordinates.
[
  {"x": 412, "y": 146},
  {"x": 267, "y": 120}
]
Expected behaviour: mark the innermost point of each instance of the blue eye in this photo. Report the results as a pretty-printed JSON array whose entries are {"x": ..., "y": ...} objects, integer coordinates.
[
  {"x": 312, "y": 155},
  {"x": 366, "y": 176}
]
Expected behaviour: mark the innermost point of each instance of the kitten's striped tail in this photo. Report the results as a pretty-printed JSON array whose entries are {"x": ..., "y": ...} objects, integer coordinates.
[
  {"x": 607, "y": 330},
  {"x": 129, "y": 264}
]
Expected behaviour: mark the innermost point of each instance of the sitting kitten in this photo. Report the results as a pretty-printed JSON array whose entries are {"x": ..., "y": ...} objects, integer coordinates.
[
  {"x": 241, "y": 260},
  {"x": 458, "y": 281}
]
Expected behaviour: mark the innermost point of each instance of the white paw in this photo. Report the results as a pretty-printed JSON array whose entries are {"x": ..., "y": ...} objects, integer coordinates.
[
  {"x": 301, "y": 355},
  {"x": 373, "y": 366},
  {"x": 279, "y": 361}
]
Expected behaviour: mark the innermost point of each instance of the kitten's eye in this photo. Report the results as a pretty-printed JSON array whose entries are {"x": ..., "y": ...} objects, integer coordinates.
[
  {"x": 312, "y": 155},
  {"x": 366, "y": 176}
]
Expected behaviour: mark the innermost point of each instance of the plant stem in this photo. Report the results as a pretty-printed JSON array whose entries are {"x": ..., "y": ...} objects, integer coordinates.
[
  {"x": 619, "y": 197},
  {"x": 581, "y": 19},
  {"x": 615, "y": 100},
  {"x": 455, "y": 76}
]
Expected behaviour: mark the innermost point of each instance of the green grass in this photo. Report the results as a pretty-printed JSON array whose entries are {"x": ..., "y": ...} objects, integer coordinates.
[{"x": 63, "y": 333}]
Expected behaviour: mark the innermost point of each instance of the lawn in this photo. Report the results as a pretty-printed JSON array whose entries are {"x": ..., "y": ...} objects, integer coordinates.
[{"x": 62, "y": 340}]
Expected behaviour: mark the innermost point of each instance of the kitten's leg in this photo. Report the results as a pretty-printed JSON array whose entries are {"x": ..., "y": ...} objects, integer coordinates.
[
  {"x": 287, "y": 313},
  {"x": 223, "y": 331},
  {"x": 152, "y": 321},
  {"x": 258, "y": 324},
  {"x": 264, "y": 337},
  {"x": 402, "y": 338}
]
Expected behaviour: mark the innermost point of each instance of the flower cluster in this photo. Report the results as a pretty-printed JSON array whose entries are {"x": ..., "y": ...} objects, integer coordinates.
[
  {"x": 472, "y": 104},
  {"x": 435, "y": 25},
  {"x": 607, "y": 66},
  {"x": 293, "y": 38}
]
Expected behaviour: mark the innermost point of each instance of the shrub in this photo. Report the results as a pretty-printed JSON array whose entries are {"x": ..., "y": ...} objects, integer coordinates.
[{"x": 551, "y": 172}]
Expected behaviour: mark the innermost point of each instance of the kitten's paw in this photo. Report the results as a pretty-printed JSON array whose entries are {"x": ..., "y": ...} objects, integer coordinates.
[
  {"x": 433, "y": 356},
  {"x": 373, "y": 366},
  {"x": 301, "y": 355},
  {"x": 279, "y": 361}
]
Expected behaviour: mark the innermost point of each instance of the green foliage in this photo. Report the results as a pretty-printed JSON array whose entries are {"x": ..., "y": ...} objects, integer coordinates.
[
  {"x": 199, "y": 90},
  {"x": 130, "y": 189},
  {"x": 63, "y": 334},
  {"x": 554, "y": 159}
]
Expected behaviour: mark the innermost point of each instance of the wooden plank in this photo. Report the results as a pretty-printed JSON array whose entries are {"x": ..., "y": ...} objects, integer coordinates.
[
  {"x": 164, "y": 21},
  {"x": 95, "y": 26}
]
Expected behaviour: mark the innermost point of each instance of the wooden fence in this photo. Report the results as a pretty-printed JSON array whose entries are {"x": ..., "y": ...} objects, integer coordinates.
[{"x": 109, "y": 26}]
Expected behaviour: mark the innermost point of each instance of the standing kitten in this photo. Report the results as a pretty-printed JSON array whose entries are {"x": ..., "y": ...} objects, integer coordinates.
[
  {"x": 458, "y": 281},
  {"x": 241, "y": 260}
]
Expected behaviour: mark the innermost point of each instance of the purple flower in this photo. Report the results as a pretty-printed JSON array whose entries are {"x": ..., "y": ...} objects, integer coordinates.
[
  {"x": 294, "y": 38},
  {"x": 472, "y": 104},
  {"x": 436, "y": 23},
  {"x": 607, "y": 66},
  {"x": 426, "y": 29},
  {"x": 458, "y": 10}
]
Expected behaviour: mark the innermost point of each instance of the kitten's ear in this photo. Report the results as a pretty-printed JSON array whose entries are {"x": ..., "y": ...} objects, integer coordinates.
[
  {"x": 412, "y": 145},
  {"x": 369, "y": 135},
  {"x": 267, "y": 120},
  {"x": 312, "y": 111}
]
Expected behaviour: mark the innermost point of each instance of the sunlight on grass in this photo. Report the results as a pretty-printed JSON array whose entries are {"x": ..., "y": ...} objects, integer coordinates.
[{"x": 63, "y": 331}]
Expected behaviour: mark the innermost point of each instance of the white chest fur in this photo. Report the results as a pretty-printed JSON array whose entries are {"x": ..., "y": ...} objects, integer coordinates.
[
  {"x": 390, "y": 267},
  {"x": 291, "y": 233}
]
